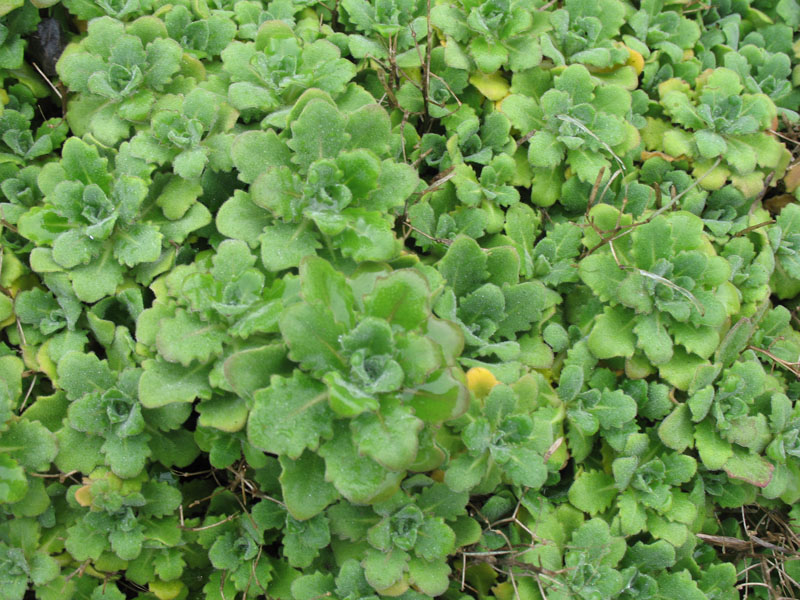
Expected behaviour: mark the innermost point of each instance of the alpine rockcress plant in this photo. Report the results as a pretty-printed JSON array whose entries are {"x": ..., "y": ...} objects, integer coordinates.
[{"x": 305, "y": 299}]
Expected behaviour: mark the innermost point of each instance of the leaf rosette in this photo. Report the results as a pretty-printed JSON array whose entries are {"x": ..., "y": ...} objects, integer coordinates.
[{"x": 118, "y": 76}]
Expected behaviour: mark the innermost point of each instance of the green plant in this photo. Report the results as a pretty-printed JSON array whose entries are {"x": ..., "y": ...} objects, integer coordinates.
[{"x": 479, "y": 299}]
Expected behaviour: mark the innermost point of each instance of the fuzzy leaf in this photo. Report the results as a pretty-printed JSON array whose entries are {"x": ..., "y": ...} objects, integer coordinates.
[
  {"x": 305, "y": 491},
  {"x": 163, "y": 383},
  {"x": 185, "y": 338},
  {"x": 390, "y": 438},
  {"x": 289, "y": 416},
  {"x": 676, "y": 430},
  {"x": 80, "y": 374},
  {"x": 319, "y": 132},
  {"x": 592, "y": 491},
  {"x": 358, "y": 478},
  {"x": 312, "y": 334}
]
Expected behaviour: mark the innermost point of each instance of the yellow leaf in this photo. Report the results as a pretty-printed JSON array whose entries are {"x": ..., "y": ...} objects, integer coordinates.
[
  {"x": 493, "y": 86},
  {"x": 397, "y": 589},
  {"x": 166, "y": 590},
  {"x": 83, "y": 495},
  {"x": 635, "y": 60},
  {"x": 480, "y": 381}
]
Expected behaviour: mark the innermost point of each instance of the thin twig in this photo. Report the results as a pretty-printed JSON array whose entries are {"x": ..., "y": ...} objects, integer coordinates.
[
  {"x": 526, "y": 137},
  {"x": 747, "y": 230},
  {"x": 443, "y": 241},
  {"x": 790, "y": 366},
  {"x": 47, "y": 79},
  {"x": 28, "y": 394},
  {"x": 217, "y": 524}
]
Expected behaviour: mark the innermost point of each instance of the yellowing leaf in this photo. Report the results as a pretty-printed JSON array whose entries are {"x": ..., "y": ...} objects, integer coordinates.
[
  {"x": 493, "y": 86},
  {"x": 480, "y": 381},
  {"x": 635, "y": 60}
]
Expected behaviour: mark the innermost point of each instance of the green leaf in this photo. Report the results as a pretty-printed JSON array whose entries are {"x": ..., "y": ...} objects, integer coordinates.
[
  {"x": 710, "y": 144},
  {"x": 77, "y": 451},
  {"x": 439, "y": 500},
  {"x": 137, "y": 244},
  {"x": 255, "y": 151},
  {"x": 600, "y": 272},
  {"x": 359, "y": 479},
  {"x": 44, "y": 568},
  {"x": 283, "y": 245},
  {"x": 162, "y": 498},
  {"x": 31, "y": 444},
  {"x": 632, "y": 514},
  {"x": 13, "y": 483},
  {"x": 169, "y": 564},
  {"x": 323, "y": 285},
  {"x": 702, "y": 341},
  {"x": 570, "y": 382},
  {"x": 432, "y": 578},
  {"x": 368, "y": 236},
  {"x": 369, "y": 127},
  {"x": 435, "y": 540},
  {"x": 163, "y": 383},
  {"x": 545, "y": 151},
  {"x": 73, "y": 248},
  {"x": 177, "y": 231},
  {"x": 612, "y": 334},
  {"x": 305, "y": 491},
  {"x": 524, "y": 304},
  {"x": 700, "y": 403},
  {"x": 734, "y": 342},
  {"x": 249, "y": 370},
  {"x": 38, "y": 307},
  {"x": 652, "y": 557},
  {"x": 682, "y": 369},
  {"x": 81, "y": 162},
  {"x": 751, "y": 468},
  {"x": 614, "y": 409},
  {"x": 713, "y": 450},
  {"x": 442, "y": 397},
  {"x": 592, "y": 492},
  {"x": 402, "y": 298},
  {"x": 676, "y": 431},
  {"x": 226, "y": 413},
  {"x": 8, "y": 5},
  {"x": 304, "y": 539},
  {"x": 464, "y": 265},
  {"x": 465, "y": 472},
  {"x": 98, "y": 279},
  {"x": 719, "y": 580},
  {"x": 489, "y": 56},
  {"x": 313, "y": 586},
  {"x": 126, "y": 456},
  {"x": 80, "y": 374},
  {"x": 384, "y": 569},
  {"x": 679, "y": 585},
  {"x": 239, "y": 218},
  {"x": 390, "y": 437},
  {"x": 185, "y": 338},
  {"x": 525, "y": 467},
  {"x": 652, "y": 242},
  {"x": 652, "y": 337},
  {"x": 319, "y": 132},
  {"x": 346, "y": 398},
  {"x": 312, "y": 334},
  {"x": 292, "y": 414}
]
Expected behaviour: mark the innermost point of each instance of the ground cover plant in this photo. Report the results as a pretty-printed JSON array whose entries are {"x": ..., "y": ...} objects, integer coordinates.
[{"x": 470, "y": 299}]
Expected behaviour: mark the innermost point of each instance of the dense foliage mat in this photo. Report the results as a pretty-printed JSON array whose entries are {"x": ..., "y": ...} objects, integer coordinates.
[{"x": 352, "y": 299}]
